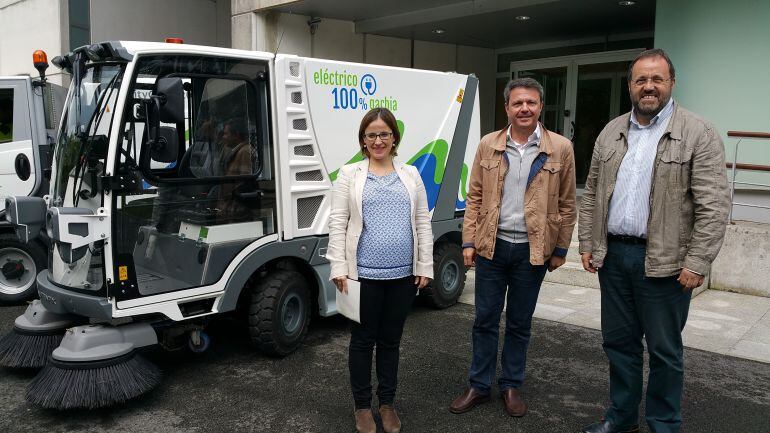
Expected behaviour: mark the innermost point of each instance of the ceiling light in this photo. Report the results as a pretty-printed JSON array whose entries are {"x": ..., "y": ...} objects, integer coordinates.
[
  {"x": 523, "y": 17},
  {"x": 627, "y": 3},
  {"x": 439, "y": 31}
]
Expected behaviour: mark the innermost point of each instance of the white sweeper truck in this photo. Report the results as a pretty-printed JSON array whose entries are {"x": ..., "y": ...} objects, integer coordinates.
[
  {"x": 29, "y": 110},
  {"x": 190, "y": 181}
]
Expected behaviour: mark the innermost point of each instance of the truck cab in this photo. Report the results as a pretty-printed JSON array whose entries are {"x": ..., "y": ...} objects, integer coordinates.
[{"x": 28, "y": 124}]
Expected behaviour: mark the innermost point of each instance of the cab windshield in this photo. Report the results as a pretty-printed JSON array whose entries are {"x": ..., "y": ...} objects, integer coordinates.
[{"x": 84, "y": 135}]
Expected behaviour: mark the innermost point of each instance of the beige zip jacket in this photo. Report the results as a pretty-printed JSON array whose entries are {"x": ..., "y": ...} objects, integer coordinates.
[
  {"x": 346, "y": 221},
  {"x": 689, "y": 198}
]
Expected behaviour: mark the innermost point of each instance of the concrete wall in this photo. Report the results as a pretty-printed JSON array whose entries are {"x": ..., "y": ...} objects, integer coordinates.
[
  {"x": 30, "y": 25},
  {"x": 721, "y": 51},
  {"x": 434, "y": 55},
  {"x": 200, "y": 22},
  {"x": 383, "y": 50},
  {"x": 481, "y": 62},
  {"x": 743, "y": 263},
  {"x": 337, "y": 40}
]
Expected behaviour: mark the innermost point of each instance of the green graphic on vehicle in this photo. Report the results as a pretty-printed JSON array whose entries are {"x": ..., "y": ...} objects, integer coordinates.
[{"x": 431, "y": 163}]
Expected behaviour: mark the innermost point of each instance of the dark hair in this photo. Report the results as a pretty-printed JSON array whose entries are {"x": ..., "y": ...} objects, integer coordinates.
[
  {"x": 527, "y": 83},
  {"x": 386, "y": 116},
  {"x": 237, "y": 127},
  {"x": 655, "y": 52}
]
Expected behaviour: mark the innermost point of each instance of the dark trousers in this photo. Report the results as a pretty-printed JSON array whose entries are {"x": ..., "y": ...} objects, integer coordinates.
[
  {"x": 384, "y": 307},
  {"x": 509, "y": 270},
  {"x": 636, "y": 307}
]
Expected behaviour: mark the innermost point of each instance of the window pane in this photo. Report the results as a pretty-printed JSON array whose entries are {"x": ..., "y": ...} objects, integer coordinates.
[
  {"x": 79, "y": 23},
  {"x": 79, "y": 37},
  {"x": 6, "y": 115}
]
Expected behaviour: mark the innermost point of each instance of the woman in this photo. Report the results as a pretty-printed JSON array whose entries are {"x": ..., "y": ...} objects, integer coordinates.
[{"x": 380, "y": 235}]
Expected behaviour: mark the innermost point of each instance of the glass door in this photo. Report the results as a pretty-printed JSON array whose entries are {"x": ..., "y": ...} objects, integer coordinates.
[
  {"x": 602, "y": 95},
  {"x": 554, "y": 77},
  {"x": 582, "y": 93}
]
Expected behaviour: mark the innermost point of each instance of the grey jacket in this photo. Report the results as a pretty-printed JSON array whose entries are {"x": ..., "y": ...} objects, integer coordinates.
[{"x": 689, "y": 197}]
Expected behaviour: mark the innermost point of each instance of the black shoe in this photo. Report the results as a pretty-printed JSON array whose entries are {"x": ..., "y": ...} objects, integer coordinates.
[{"x": 605, "y": 426}]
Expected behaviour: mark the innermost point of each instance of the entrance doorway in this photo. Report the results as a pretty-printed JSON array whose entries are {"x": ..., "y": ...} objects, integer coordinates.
[{"x": 581, "y": 94}]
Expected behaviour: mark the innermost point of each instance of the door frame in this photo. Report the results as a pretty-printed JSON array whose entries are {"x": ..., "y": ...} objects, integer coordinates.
[{"x": 572, "y": 63}]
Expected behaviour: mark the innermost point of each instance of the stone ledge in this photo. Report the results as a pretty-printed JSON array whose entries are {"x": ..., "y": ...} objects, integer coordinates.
[{"x": 743, "y": 263}]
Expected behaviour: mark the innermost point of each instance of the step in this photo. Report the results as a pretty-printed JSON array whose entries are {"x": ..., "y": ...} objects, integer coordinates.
[
  {"x": 569, "y": 275},
  {"x": 573, "y": 254},
  {"x": 573, "y": 274}
]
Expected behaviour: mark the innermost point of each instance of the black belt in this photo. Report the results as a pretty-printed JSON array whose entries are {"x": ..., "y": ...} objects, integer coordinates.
[{"x": 627, "y": 239}]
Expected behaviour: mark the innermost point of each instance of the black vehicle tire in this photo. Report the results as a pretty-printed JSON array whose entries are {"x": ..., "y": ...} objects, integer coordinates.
[
  {"x": 279, "y": 313},
  {"x": 19, "y": 284},
  {"x": 449, "y": 276}
]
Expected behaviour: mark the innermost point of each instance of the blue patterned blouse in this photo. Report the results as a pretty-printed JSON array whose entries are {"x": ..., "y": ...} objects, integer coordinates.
[{"x": 385, "y": 248}]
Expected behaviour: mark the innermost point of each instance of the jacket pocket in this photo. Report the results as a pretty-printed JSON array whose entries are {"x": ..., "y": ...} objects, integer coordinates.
[
  {"x": 489, "y": 164},
  {"x": 606, "y": 154},
  {"x": 606, "y": 163},
  {"x": 552, "y": 167},
  {"x": 674, "y": 169},
  {"x": 552, "y": 229},
  {"x": 489, "y": 180},
  {"x": 483, "y": 237},
  {"x": 551, "y": 171}
]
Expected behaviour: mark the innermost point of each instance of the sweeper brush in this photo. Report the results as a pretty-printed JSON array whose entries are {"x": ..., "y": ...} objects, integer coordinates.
[
  {"x": 21, "y": 349},
  {"x": 35, "y": 334},
  {"x": 91, "y": 385},
  {"x": 96, "y": 366}
]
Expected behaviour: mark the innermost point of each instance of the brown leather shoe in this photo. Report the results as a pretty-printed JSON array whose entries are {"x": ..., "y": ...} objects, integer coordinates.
[
  {"x": 514, "y": 403},
  {"x": 390, "y": 421},
  {"x": 468, "y": 400},
  {"x": 365, "y": 421}
]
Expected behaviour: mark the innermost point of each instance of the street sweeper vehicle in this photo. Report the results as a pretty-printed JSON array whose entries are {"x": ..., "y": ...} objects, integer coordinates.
[
  {"x": 190, "y": 181},
  {"x": 28, "y": 124}
]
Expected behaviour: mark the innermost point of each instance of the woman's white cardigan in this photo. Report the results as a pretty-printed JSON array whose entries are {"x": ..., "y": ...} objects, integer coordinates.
[{"x": 346, "y": 221}]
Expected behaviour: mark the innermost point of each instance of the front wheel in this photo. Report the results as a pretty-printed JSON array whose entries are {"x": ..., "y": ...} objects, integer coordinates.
[
  {"x": 279, "y": 313},
  {"x": 19, "y": 265},
  {"x": 449, "y": 272}
]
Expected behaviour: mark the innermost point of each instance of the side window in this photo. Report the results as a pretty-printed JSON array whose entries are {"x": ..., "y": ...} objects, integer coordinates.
[
  {"x": 225, "y": 131},
  {"x": 6, "y": 115}
]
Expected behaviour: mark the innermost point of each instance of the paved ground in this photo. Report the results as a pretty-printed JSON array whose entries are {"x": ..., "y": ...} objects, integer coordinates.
[
  {"x": 233, "y": 388},
  {"x": 721, "y": 322}
]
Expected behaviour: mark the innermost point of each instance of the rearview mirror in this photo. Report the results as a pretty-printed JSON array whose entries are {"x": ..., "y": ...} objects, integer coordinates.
[
  {"x": 170, "y": 99},
  {"x": 166, "y": 148}
]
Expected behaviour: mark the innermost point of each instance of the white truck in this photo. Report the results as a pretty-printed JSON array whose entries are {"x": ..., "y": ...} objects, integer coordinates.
[
  {"x": 28, "y": 117},
  {"x": 154, "y": 229}
]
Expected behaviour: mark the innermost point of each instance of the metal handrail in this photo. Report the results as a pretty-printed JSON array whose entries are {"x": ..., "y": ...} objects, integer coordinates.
[{"x": 735, "y": 165}]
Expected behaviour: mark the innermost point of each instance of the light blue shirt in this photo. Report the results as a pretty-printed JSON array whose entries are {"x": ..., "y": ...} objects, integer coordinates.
[
  {"x": 630, "y": 202},
  {"x": 386, "y": 245}
]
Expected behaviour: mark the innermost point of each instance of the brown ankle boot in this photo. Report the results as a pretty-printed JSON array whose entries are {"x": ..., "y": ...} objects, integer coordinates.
[
  {"x": 365, "y": 421},
  {"x": 390, "y": 421}
]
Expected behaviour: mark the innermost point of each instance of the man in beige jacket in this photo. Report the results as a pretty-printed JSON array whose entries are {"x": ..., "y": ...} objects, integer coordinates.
[
  {"x": 652, "y": 220},
  {"x": 518, "y": 222}
]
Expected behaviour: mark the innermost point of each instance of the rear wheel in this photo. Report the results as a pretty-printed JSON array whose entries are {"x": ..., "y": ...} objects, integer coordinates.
[
  {"x": 449, "y": 276},
  {"x": 279, "y": 313},
  {"x": 19, "y": 265}
]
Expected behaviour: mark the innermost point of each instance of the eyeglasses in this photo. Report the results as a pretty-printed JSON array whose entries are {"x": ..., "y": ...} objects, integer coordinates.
[
  {"x": 372, "y": 136},
  {"x": 657, "y": 81}
]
